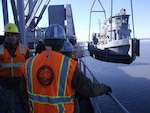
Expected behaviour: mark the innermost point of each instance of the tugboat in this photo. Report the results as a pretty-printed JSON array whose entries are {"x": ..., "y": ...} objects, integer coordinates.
[{"x": 114, "y": 43}]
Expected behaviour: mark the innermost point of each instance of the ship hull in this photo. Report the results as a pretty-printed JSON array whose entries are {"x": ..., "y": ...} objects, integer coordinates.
[{"x": 109, "y": 55}]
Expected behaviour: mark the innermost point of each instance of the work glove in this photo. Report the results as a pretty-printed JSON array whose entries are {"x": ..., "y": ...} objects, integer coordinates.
[{"x": 108, "y": 90}]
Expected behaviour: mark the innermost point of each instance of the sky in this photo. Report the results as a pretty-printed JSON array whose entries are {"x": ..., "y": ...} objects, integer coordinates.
[{"x": 81, "y": 16}]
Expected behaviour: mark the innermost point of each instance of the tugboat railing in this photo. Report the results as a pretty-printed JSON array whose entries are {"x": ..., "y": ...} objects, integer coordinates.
[{"x": 83, "y": 67}]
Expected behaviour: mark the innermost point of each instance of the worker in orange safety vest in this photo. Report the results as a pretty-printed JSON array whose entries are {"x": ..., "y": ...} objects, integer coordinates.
[
  {"x": 12, "y": 55},
  {"x": 52, "y": 78}
]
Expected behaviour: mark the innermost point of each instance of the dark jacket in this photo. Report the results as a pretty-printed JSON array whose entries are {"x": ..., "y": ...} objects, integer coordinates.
[
  {"x": 85, "y": 87},
  {"x": 39, "y": 48}
]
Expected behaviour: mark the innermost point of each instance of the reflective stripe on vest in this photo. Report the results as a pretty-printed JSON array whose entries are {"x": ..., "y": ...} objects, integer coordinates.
[
  {"x": 21, "y": 48},
  {"x": 2, "y": 49},
  {"x": 7, "y": 65},
  {"x": 61, "y": 91},
  {"x": 49, "y": 100}
]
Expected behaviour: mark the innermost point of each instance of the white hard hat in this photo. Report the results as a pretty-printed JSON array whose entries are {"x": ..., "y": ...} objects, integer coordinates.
[
  {"x": 67, "y": 47},
  {"x": 55, "y": 31},
  {"x": 55, "y": 36}
]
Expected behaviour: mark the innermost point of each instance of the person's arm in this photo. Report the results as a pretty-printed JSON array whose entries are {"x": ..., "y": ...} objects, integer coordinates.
[{"x": 84, "y": 86}]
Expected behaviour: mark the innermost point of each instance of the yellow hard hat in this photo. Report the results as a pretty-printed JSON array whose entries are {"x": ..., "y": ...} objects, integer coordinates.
[{"x": 11, "y": 28}]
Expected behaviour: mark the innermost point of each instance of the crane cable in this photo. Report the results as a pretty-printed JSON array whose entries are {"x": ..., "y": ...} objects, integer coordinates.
[{"x": 132, "y": 19}]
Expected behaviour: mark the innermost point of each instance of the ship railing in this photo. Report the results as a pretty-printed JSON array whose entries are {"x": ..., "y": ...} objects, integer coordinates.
[{"x": 82, "y": 65}]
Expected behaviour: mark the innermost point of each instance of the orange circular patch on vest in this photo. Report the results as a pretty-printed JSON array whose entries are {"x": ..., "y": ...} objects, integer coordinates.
[{"x": 45, "y": 75}]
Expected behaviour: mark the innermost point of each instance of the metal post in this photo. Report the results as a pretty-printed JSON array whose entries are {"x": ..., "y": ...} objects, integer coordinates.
[
  {"x": 5, "y": 12},
  {"x": 118, "y": 103},
  {"x": 132, "y": 19},
  {"x": 20, "y": 8}
]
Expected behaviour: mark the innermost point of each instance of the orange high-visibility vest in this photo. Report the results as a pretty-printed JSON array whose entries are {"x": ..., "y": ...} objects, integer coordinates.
[
  {"x": 11, "y": 66},
  {"x": 49, "y": 77}
]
